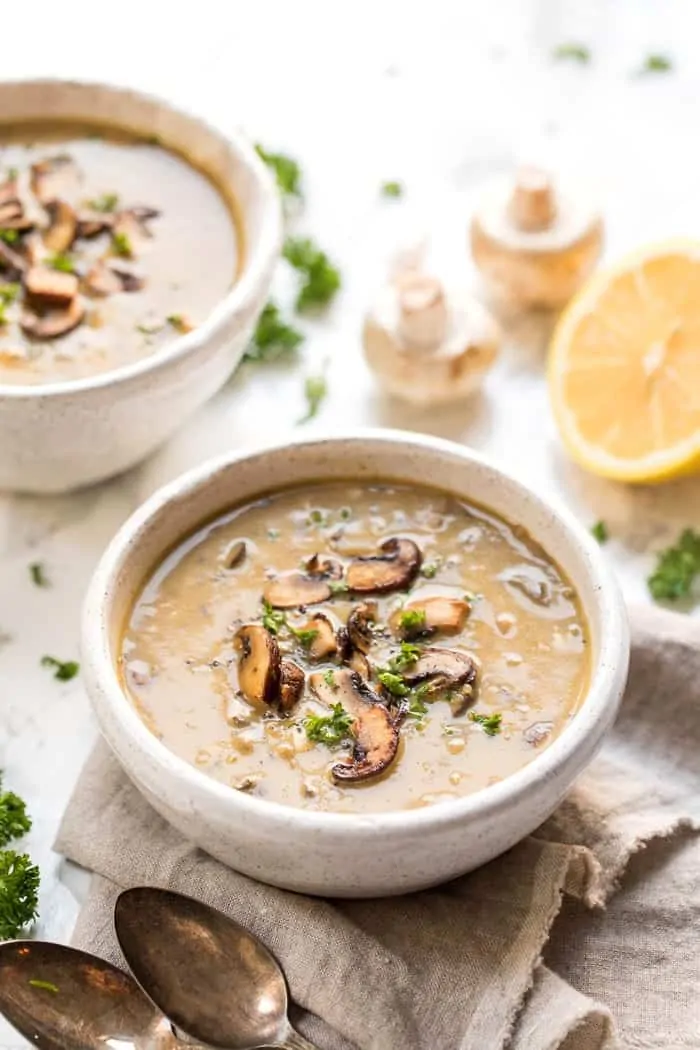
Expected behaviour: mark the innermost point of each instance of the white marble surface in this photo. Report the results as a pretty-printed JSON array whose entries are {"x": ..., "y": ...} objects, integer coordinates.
[{"x": 438, "y": 96}]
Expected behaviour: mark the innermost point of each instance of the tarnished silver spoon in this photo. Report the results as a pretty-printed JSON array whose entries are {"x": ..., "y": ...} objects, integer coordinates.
[
  {"x": 63, "y": 999},
  {"x": 214, "y": 980}
]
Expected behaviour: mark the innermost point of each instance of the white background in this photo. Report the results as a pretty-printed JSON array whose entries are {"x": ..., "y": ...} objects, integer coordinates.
[{"x": 438, "y": 95}]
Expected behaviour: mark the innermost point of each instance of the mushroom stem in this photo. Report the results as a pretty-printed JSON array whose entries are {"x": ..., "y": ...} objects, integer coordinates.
[
  {"x": 422, "y": 322},
  {"x": 532, "y": 205}
]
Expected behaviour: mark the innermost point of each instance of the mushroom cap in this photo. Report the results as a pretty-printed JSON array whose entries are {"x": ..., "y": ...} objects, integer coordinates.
[
  {"x": 259, "y": 664},
  {"x": 393, "y": 569}
]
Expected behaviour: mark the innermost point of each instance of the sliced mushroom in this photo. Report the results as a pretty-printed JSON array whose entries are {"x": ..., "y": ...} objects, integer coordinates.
[
  {"x": 60, "y": 234},
  {"x": 93, "y": 223},
  {"x": 131, "y": 226},
  {"x": 441, "y": 613},
  {"x": 130, "y": 282},
  {"x": 47, "y": 287},
  {"x": 291, "y": 685},
  {"x": 259, "y": 671},
  {"x": 445, "y": 670},
  {"x": 8, "y": 190},
  {"x": 292, "y": 589},
  {"x": 53, "y": 324},
  {"x": 235, "y": 555},
  {"x": 394, "y": 569},
  {"x": 325, "y": 643},
  {"x": 21, "y": 223},
  {"x": 104, "y": 280},
  {"x": 10, "y": 210},
  {"x": 12, "y": 264},
  {"x": 376, "y": 735},
  {"x": 53, "y": 178},
  {"x": 359, "y": 663},
  {"x": 359, "y": 626}
]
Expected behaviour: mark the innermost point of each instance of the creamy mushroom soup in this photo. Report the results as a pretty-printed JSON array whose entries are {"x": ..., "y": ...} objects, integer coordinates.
[
  {"x": 357, "y": 648},
  {"x": 110, "y": 246}
]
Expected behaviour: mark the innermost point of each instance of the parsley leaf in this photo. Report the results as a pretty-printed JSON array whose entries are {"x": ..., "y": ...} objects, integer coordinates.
[
  {"x": 47, "y": 986},
  {"x": 305, "y": 638},
  {"x": 19, "y": 892},
  {"x": 416, "y": 706},
  {"x": 315, "y": 390},
  {"x": 286, "y": 169},
  {"x": 38, "y": 574},
  {"x": 430, "y": 569},
  {"x": 14, "y": 820},
  {"x": 321, "y": 279},
  {"x": 491, "y": 724},
  {"x": 273, "y": 620},
  {"x": 393, "y": 683},
  {"x": 392, "y": 189},
  {"x": 329, "y": 679},
  {"x": 676, "y": 568},
  {"x": 61, "y": 261},
  {"x": 105, "y": 203},
  {"x": 63, "y": 670},
  {"x": 273, "y": 338},
  {"x": 121, "y": 245},
  {"x": 656, "y": 64},
  {"x": 572, "y": 52},
  {"x": 599, "y": 531},
  {"x": 412, "y": 621},
  {"x": 407, "y": 655},
  {"x": 330, "y": 729},
  {"x": 9, "y": 236},
  {"x": 8, "y": 293}
]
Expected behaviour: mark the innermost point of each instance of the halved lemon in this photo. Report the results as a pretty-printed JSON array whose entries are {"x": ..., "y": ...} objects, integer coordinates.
[{"x": 624, "y": 367}]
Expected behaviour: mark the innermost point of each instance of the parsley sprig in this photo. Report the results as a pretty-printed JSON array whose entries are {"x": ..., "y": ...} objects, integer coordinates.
[
  {"x": 63, "y": 670},
  {"x": 491, "y": 724},
  {"x": 321, "y": 279},
  {"x": 273, "y": 339},
  {"x": 676, "y": 568},
  {"x": 286, "y": 171},
  {"x": 330, "y": 729}
]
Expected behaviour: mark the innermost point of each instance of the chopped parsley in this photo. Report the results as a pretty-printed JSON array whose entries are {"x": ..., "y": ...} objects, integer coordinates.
[
  {"x": 572, "y": 53},
  {"x": 273, "y": 620},
  {"x": 47, "y": 986},
  {"x": 150, "y": 329},
  {"x": 599, "y": 531},
  {"x": 416, "y": 707},
  {"x": 338, "y": 587},
  {"x": 656, "y": 64},
  {"x": 273, "y": 338},
  {"x": 392, "y": 189},
  {"x": 676, "y": 568},
  {"x": 61, "y": 261},
  {"x": 19, "y": 893},
  {"x": 393, "y": 683},
  {"x": 321, "y": 279},
  {"x": 121, "y": 245},
  {"x": 8, "y": 293},
  {"x": 412, "y": 621},
  {"x": 315, "y": 390},
  {"x": 306, "y": 638},
  {"x": 12, "y": 174},
  {"x": 491, "y": 724},
  {"x": 286, "y": 170},
  {"x": 9, "y": 236},
  {"x": 179, "y": 322},
  {"x": 329, "y": 679},
  {"x": 345, "y": 513},
  {"x": 316, "y": 517},
  {"x": 38, "y": 574},
  {"x": 430, "y": 569},
  {"x": 407, "y": 655},
  {"x": 63, "y": 670},
  {"x": 105, "y": 203},
  {"x": 14, "y": 820},
  {"x": 330, "y": 729}
]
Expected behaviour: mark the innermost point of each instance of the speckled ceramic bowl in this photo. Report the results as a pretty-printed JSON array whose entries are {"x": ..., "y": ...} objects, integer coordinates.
[
  {"x": 59, "y": 436},
  {"x": 330, "y": 853}
]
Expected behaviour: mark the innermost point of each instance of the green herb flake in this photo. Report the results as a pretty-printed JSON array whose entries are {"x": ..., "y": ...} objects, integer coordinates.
[
  {"x": 63, "y": 670},
  {"x": 121, "y": 245},
  {"x": 338, "y": 587},
  {"x": 38, "y": 574},
  {"x": 393, "y": 683},
  {"x": 105, "y": 203},
  {"x": 491, "y": 724},
  {"x": 329, "y": 679},
  {"x": 430, "y": 569},
  {"x": 9, "y": 236},
  {"x": 14, "y": 820},
  {"x": 306, "y": 638},
  {"x": 321, "y": 279},
  {"x": 656, "y": 64},
  {"x": 599, "y": 532},
  {"x": 572, "y": 53},
  {"x": 392, "y": 189},
  {"x": 345, "y": 513},
  {"x": 273, "y": 620},
  {"x": 9, "y": 293},
  {"x": 150, "y": 329},
  {"x": 12, "y": 174},
  {"x": 19, "y": 893},
  {"x": 273, "y": 534},
  {"x": 286, "y": 171},
  {"x": 46, "y": 986},
  {"x": 315, "y": 390},
  {"x": 273, "y": 339},
  {"x": 332, "y": 729},
  {"x": 61, "y": 261},
  {"x": 412, "y": 621},
  {"x": 407, "y": 655},
  {"x": 676, "y": 568}
]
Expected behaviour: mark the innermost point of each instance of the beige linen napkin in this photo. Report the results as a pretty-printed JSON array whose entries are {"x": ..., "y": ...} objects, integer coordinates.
[{"x": 461, "y": 967}]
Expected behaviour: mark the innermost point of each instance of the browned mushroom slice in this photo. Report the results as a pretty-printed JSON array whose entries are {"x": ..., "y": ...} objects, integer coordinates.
[
  {"x": 10, "y": 210},
  {"x": 359, "y": 663},
  {"x": 93, "y": 223},
  {"x": 440, "y": 613},
  {"x": 322, "y": 642},
  {"x": 21, "y": 223},
  {"x": 130, "y": 229},
  {"x": 12, "y": 265},
  {"x": 444, "y": 670},
  {"x": 394, "y": 569},
  {"x": 292, "y": 589},
  {"x": 130, "y": 282},
  {"x": 8, "y": 190},
  {"x": 53, "y": 177},
  {"x": 53, "y": 324},
  {"x": 47, "y": 287},
  {"x": 359, "y": 626},
  {"x": 291, "y": 685},
  {"x": 259, "y": 671},
  {"x": 60, "y": 234},
  {"x": 104, "y": 280},
  {"x": 376, "y": 735}
]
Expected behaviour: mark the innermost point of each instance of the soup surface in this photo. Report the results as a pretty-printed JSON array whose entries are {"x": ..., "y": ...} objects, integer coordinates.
[
  {"x": 102, "y": 243},
  {"x": 357, "y": 649}
]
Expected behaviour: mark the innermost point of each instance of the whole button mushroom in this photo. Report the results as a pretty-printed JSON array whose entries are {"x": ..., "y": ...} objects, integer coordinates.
[
  {"x": 534, "y": 243},
  {"x": 426, "y": 343}
]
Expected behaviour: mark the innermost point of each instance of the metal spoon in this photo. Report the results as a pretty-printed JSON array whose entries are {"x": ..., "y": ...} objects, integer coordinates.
[
  {"x": 213, "y": 979},
  {"x": 63, "y": 999}
]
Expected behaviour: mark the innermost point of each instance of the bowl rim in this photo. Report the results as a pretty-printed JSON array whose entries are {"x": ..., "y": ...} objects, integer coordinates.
[
  {"x": 588, "y": 726},
  {"x": 258, "y": 257}
]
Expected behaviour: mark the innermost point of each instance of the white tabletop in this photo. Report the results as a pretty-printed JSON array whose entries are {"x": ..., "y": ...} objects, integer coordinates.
[{"x": 439, "y": 96}]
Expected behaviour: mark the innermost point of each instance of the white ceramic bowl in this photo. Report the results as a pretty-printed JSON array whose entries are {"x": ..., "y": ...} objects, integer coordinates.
[
  {"x": 63, "y": 435},
  {"x": 328, "y": 853}
]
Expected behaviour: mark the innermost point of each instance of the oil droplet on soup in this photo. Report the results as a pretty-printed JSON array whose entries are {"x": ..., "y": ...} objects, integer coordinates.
[{"x": 356, "y": 649}]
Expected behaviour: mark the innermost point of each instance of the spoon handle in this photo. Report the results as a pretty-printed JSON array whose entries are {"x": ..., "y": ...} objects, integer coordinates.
[{"x": 294, "y": 1041}]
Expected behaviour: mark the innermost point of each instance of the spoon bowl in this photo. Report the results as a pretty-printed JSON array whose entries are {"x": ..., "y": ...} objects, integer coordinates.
[
  {"x": 214, "y": 980},
  {"x": 60, "y": 998}
]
